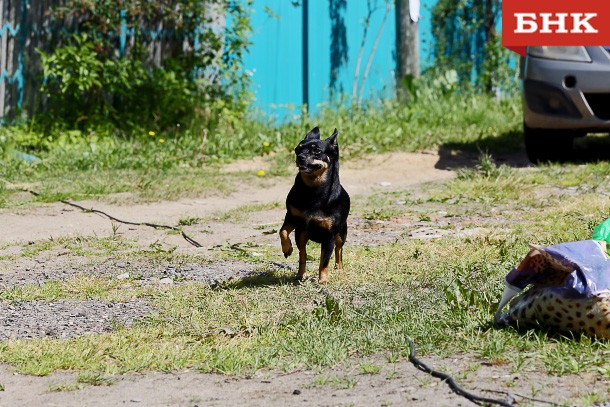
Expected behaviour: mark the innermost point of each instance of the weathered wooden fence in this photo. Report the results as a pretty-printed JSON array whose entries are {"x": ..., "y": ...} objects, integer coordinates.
[
  {"x": 27, "y": 26},
  {"x": 11, "y": 62}
]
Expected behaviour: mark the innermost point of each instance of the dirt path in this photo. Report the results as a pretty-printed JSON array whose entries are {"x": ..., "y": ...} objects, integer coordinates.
[
  {"x": 396, "y": 384},
  {"x": 360, "y": 178}
]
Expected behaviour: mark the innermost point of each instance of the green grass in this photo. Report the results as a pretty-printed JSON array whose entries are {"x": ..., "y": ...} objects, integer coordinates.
[
  {"x": 79, "y": 246},
  {"x": 237, "y": 215},
  {"x": 82, "y": 287},
  {"x": 493, "y": 184},
  {"x": 371, "y": 368},
  {"x": 441, "y": 293},
  {"x": 100, "y": 165},
  {"x": 64, "y": 387},
  {"x": 337, "y": 382},
  {"x": 125, "y": 185},
  {"x": 94, "y": 379},
  {"x": 189, "y": 221}
]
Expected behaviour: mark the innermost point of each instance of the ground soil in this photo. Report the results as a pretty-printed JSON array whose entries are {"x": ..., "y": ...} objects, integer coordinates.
[{"x": 397, "y": 384}]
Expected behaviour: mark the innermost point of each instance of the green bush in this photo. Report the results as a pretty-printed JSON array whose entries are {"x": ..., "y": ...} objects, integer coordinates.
[
  {"x": 97, "y": 81},
  {"x": 467, "y": 41}
]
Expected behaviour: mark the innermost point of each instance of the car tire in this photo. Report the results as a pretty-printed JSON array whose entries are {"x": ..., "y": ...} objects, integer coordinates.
[{"x": 544, "y": 145}]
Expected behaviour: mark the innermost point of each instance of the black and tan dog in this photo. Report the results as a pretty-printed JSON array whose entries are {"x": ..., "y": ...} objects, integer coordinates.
[{"x": 317, "y": 205}]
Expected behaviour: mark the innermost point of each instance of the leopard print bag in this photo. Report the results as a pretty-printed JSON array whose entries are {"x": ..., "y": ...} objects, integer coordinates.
[{"x": 569, "y": 289}]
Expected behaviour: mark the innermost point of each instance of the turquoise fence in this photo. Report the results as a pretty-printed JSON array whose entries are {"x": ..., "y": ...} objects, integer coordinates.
[
  {"x": 307, "y": 51},
  {"x": 303, "y": 52}
]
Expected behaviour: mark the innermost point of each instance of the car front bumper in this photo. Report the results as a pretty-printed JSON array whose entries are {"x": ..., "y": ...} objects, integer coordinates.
[{"x": 568, "y": 95}]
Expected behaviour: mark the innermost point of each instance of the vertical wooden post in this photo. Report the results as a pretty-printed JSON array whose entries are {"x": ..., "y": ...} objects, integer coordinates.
[
  {"x": 3, "y": 55},
  {"x": 407, "y": 45},
  {"x": 305, "y": 51}
]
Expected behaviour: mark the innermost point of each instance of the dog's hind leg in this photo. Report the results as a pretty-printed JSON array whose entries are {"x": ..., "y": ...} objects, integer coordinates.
[
  {"x": 301, "y": 238},
  {"x": 327, "y": 251},
  {"x": 285, "y": 231}
]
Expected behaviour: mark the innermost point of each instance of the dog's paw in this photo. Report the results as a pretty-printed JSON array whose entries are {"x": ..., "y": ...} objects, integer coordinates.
[
  {"x": 287, "y": 251},
  {"x": 323, "y": 276},
  {"x": 286, "y": 244}
]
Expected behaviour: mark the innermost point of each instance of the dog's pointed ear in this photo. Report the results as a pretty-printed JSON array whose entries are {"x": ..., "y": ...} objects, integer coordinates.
[
  {"x": 314, "y": 134},
  {"x": 333, "y": 138}
]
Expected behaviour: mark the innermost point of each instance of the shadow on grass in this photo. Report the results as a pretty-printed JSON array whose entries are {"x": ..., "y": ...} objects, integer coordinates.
[
  {"x": 529, "y": 330},
  {"x": 508, "y": 149},
  {"x": 592, "y": 148},
  {"x": 276, "y": 274}
]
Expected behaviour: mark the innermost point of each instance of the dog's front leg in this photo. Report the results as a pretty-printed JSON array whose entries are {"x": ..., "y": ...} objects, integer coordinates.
[
  {"x": 301, "y": 238},
  {"x": 327, "y": 251},
  {"x": 285, "y": 231}
]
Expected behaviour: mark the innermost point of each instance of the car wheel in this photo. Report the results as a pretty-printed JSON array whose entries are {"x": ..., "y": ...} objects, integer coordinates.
[{"x": 542, "y": 145}]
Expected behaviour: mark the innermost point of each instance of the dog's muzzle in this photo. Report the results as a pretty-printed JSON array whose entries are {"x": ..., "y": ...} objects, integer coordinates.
[{"x": 309, "y": 166}]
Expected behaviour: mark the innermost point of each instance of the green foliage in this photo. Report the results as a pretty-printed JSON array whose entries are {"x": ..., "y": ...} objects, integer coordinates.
[
  {"x": 499, "y": 68},
  {"x": 466, "y": 40},
  {"x": 80, "y": 86},
  {"x": 485, "y": 168},
  {"x": 5, "y": 146},
  {"x": 437, "y": 115},
  {"x": 171, "y": 62},
  {"x": 75, "y": 68}
]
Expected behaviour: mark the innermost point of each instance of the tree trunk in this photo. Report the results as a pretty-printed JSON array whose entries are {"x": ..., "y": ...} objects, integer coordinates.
[{"x": 407, "y": 46}]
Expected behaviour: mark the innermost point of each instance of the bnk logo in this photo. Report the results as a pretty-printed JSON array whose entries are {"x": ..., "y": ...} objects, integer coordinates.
[{"x": 554, "y": 22}]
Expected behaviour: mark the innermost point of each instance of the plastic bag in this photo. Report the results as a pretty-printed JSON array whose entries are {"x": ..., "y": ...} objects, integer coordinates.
[
  {"x": 566, "y": 286},
  {"x": 602, "y": 231}
]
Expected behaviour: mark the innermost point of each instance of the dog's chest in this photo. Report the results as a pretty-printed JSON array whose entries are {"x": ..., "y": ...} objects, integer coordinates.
[{"x": 312, "y": 218}]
